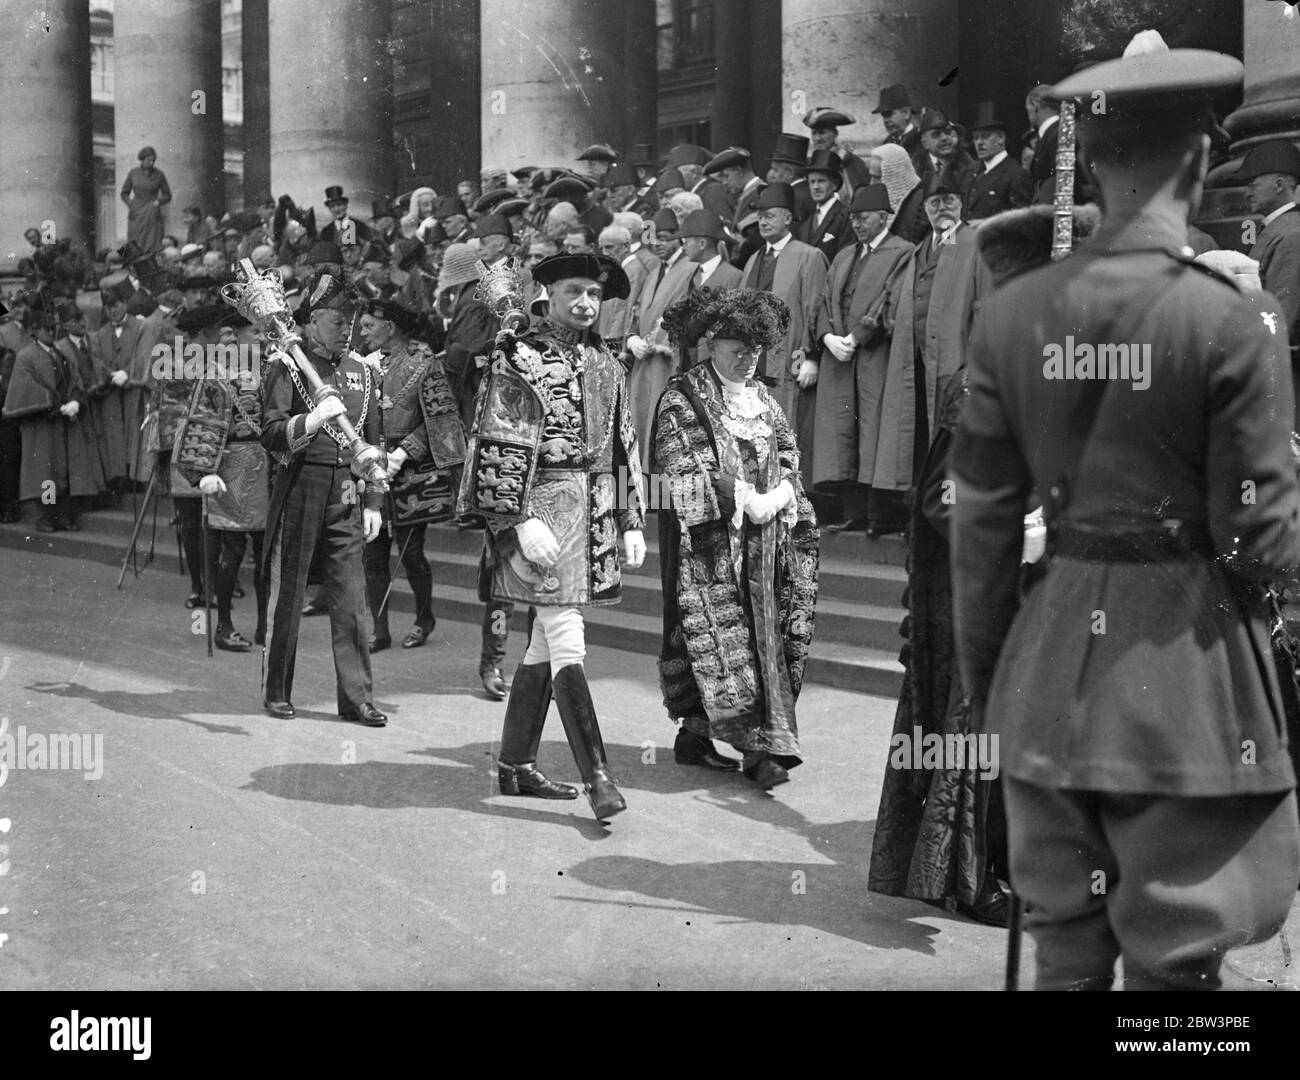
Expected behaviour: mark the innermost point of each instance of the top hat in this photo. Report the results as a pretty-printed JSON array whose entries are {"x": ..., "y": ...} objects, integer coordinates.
[
  {"x": 986, "y": 119},
  {"x": 1274, "y": 156},
  {"x": 828, "y": 163},
  {"x": 334, "y": 194},
  {"x": 791, "y": 149},
  {"x": 891, "y": 98},
  {"x": 493, "y": 225},
  {"x": 823, "y": 117},
  {"x": 732, "y": 155},
  {"x": 869, "y": 198}
]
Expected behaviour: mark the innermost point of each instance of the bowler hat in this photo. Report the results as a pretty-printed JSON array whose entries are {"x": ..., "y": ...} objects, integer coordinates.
[
  {"x": 116, "y": 288},
  {"x": 935, "y": 120},
  {"x": 669, "y": 180},
  {"x": 732, "y": 155},
  {"x": 826, "y": 162},
  {"x": 334, "y": 194},
  {"x": 891, "y": 98},
  {"x": 869, "y": 198},
  {"x": 688, "y": 154},
  {"x": 1274, "y": 156},
  {"x": 705, "y": 223},
  {"x": 791, "y": 149},
  {"x": 823, "y": 117},
  {"x": 942, "y": 189},
  {"x": 775, "y": 197},
  {"x": 598, "y": 268},
  {"x": 448, "y": 206},
  {"x": 665, "y": 219}
]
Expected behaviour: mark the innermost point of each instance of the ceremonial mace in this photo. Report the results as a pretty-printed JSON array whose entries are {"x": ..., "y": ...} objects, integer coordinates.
[{"x": 259, "y": 297}]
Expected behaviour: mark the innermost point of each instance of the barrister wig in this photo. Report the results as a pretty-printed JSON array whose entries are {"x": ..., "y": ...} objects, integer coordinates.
[{"x": 757, "y": 319}]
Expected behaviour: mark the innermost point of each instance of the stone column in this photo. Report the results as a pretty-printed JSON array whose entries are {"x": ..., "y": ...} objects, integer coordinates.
[
  {"x": 840, "y": 53},
  {"x": 729, "y": 118},
  {"x": 331, "y": 102},
  {"x": 454, "y": 94},
  {"x": 46, "y": 172},
  {"x": 552, "y": 80},
  {"x": 167, "y": 78},
  {"x": 1270, "y": 106},
  {"x": 641, "y": 78},
  {"x": 255, "y": 44}
]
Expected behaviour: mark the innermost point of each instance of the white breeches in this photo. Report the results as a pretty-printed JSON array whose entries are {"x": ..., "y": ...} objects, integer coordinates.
[{"x": 559, "y": 637}]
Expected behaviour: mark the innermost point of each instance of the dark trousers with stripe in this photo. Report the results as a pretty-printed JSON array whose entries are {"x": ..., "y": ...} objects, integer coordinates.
[{"x": 317, "y": 517}]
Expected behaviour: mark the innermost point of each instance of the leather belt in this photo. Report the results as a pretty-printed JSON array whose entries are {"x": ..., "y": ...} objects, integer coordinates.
[{"x": 1178, "y": 540}]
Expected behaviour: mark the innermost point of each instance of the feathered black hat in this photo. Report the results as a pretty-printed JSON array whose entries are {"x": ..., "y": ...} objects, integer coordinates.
[{"x": 758, "y": 319}]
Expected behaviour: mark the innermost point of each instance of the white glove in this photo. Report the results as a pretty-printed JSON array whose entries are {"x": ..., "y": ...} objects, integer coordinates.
[
  {"x": 396, "y": 459},
  {"x": 326, "y": 410},
  {"x": 638, "y": 346},
  {"x": 842, "y": 348},
  {"x": 212, "y": 484},
  {"x": 537, "y": 542},
  {"x": 70, "y": 409},
  {"x": 760, "y": 509},
  {"x": 806, "y": 374},
  {"x": 120, "y": 378},
  {"x": 1035, "y": 544},
  {"x": 633, "y": 548},
  {"x": 371, "y": 520}
]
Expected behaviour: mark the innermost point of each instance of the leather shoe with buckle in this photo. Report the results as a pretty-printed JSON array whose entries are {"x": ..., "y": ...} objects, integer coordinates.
[
  {"x": 281, "y": 710},
  {"x": 992, "y": 904},
  {"x": 494, "y": 683},
  {"x": 227, "y": 637},
  {"x": 528, "y": 780},
  {"x": 367, "y": 715},
  {"x": 417, "y": 637},
  {"x": 692, "y": 749}
]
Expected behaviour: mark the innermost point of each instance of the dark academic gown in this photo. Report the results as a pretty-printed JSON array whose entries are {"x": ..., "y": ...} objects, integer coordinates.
[
  {"x": 850, "y": 394},
  {"x": 470, "y": 334},
  {"x": 120, "y": 410},
  {"x": 54, "y": 447}
]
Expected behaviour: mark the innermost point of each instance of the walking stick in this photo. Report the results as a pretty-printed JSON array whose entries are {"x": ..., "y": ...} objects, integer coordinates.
[
  {"x": 135, "y": 531},
  {"x": 207, "y": 573},
  {"x": 392, "y": 577},
  {"x": 1015, "y": 918}
]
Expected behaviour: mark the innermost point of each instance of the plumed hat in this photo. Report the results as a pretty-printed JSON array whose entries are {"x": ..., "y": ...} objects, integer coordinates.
[{"x": 758, "y": 319}]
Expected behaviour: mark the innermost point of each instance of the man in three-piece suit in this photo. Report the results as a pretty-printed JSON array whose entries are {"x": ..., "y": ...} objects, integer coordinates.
[
  {"x": 1272, "y": 170},
  {"x": 1002, "y": 183},
  {"x": 827, "y": 227},
  {"x": 855, "y": 354},
  {"x": 788, "y": 165},
  {"x": 1148, "y": 788},
  {"x": 796, "y": 273}
]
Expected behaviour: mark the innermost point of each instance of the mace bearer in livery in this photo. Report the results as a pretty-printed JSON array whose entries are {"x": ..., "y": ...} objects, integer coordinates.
[{"x": 554, "y": 469}]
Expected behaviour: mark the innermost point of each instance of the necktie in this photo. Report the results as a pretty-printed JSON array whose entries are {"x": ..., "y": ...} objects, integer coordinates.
[{"x": 696, "y": 279}]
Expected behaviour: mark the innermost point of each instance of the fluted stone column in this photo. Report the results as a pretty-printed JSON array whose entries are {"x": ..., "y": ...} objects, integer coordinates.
[
  {"x": 255, "y": 46},
  {"x": 840, "y": 53},
  {"x": 167, "y": 79},
  {"x": 552, "y": 80},
  {"x": 331, "y": 101},
  {"x": 729, "y": 119},
  {"x": 45, "y": 123}
]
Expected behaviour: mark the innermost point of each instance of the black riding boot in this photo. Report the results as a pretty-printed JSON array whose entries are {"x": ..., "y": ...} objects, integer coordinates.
[
  {"x": 578, "y": 714},
  {"x": 517, "y": 774}
]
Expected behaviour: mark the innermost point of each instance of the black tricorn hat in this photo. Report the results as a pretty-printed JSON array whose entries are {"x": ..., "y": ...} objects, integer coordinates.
[
  {"x": 509, "y": 208},
  {"x": 333, "y": 194},
  {"x": 489, "y": 202},
  {"x": 725, "y": 159},
  {"x": 567, "y": 189},
  {"x": 823, "y": 117},
  {"x": 598, "y": 268},
  {"x": 1274, "y": 156},
  {"x": 599, "y": 152}
]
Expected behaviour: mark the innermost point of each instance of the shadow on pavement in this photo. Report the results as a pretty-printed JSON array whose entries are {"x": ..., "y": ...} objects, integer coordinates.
[{"x": 168, "y": 705}]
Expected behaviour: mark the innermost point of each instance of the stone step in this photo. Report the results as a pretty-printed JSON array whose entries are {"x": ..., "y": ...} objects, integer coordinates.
[{"x": 855, "y": 647}]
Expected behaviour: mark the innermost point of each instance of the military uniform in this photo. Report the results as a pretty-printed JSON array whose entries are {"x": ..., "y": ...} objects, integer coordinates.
[
  {"x": 1148, "y": 785},
  {"x": 315, "y": 505}
]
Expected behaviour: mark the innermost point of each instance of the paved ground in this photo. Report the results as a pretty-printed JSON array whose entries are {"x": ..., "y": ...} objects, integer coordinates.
[{"x": 222, "y": 849}]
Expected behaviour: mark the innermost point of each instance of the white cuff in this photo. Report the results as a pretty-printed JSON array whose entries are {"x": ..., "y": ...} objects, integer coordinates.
[{"x": 744, "y": 492}]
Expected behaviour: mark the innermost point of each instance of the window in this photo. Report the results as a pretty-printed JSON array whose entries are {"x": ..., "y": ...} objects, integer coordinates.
[
  {"x": 685, "y": 33},
  {"x": 101, "y": 66}
]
